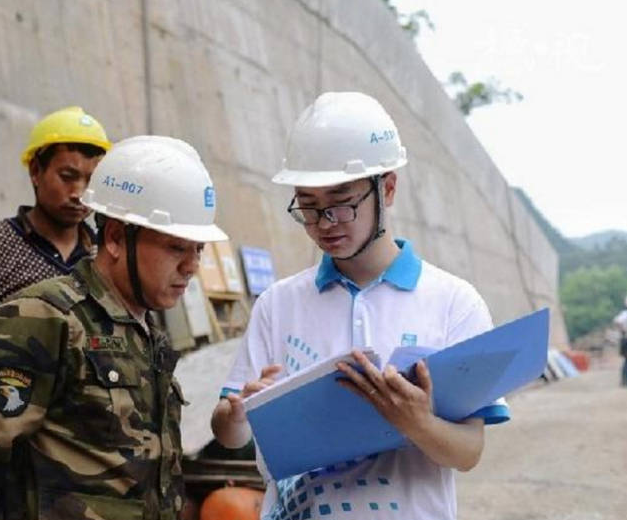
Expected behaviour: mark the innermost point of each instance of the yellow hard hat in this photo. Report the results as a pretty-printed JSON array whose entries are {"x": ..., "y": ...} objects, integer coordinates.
[{"x": 68, "y": 125}]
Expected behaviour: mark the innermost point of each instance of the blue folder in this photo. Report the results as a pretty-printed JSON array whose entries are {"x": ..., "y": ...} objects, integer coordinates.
[{"x": 320, "y": 423}]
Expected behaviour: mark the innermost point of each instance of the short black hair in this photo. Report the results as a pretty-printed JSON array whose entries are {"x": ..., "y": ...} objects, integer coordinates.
[{"x": 44, "y": 155}]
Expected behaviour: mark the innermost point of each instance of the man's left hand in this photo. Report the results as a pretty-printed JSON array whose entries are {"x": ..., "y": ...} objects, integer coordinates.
[{"x": 407, "y": 406}]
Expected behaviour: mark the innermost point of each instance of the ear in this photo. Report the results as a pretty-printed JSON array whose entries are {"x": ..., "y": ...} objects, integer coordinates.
[
  {"x": 34, "y": 171},
  {"x": 114, "y": 238},
  {"x": 389, "y": 188}
]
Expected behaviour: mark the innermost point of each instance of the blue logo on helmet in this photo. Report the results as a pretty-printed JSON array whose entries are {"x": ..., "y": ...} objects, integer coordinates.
[{"x": 210, "y": 197}]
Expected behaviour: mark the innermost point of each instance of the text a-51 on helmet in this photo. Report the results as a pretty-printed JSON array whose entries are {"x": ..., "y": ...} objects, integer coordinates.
[{"x": 341, "y": 137}]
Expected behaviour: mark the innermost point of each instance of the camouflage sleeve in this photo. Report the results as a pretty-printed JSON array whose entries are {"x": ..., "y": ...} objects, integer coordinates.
[{"x": 32, "y": 333}]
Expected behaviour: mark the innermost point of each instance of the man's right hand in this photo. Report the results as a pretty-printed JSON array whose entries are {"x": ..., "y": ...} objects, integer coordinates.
[
  {"x": 229, "y": 422},
  {"x": 267, "y": 378}
]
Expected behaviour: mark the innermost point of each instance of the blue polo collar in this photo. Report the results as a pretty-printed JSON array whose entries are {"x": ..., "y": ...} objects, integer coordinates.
[{"x": 403, "y": 273}]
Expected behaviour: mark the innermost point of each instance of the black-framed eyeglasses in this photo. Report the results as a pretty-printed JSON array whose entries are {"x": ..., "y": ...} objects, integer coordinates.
[{"x": 334, "y": 214}]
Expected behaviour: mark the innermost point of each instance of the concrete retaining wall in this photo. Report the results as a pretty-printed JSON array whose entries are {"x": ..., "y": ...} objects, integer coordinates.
[{"x": 231, "y": 76}]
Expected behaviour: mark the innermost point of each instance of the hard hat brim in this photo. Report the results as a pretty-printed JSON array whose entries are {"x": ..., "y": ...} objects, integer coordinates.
[
  {"x": 29, "y": 153},
  {"x": 193, "y": 232},
  {"x": 210, "y": 233},
  {"x": 321, "y": 179}
]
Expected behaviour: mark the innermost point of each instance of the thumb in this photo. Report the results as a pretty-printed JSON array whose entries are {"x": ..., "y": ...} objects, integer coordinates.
[{"x": 238, "y": 412}]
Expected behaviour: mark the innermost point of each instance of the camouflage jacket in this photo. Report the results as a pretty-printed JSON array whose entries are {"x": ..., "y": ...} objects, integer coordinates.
[{"x": 89, "y": 408}]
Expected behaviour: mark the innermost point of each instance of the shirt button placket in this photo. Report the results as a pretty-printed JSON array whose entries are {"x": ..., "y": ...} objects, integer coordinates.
[{"x": 358, "y": 323}]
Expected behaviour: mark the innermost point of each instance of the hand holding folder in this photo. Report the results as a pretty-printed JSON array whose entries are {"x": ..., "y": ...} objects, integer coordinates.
[{"x": 308, "y": 421}]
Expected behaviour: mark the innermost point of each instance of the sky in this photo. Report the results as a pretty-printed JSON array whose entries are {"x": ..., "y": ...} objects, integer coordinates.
[{"x": 565, "y": 143}]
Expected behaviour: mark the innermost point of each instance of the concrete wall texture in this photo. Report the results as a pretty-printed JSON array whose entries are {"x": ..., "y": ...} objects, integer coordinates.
[{"x": 231, "y": 77}]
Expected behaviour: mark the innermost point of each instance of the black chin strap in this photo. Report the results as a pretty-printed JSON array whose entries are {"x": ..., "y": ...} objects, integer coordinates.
[
  {"x": 130, "y": 232},
  {"x": 379, "y": 208}
]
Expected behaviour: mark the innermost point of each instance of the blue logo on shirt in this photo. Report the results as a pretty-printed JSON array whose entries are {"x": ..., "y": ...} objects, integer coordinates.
[
  {"x": 409, "y": 340},
  {"x": 299, "y": 355}
]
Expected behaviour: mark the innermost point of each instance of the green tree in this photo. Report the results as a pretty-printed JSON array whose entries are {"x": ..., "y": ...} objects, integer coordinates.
[
  {"x": 413, "y": 22},
  {"x": 613, "y": 252},
  {"x": 592, "y": 278},
  {"x": 466, "y": 96},
  {"x": 591, "y": 297}
]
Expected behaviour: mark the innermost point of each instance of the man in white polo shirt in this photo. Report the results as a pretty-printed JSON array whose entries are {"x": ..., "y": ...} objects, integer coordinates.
[{"x": 369, "y": 290}]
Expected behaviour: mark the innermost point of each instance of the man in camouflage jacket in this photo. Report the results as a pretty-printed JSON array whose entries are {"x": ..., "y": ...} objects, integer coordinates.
[
  {"x": 93, "y": 390},
  {"x": 89, "y": 408}
]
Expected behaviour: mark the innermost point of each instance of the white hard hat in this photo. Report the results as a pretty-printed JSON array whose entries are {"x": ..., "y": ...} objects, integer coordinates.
[
  {"x": 156, "y": 182},
  {"x": 341, "y": 137}
]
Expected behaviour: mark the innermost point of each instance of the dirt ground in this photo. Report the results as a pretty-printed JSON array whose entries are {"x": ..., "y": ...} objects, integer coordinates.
[{"x": 563, "y": 456}]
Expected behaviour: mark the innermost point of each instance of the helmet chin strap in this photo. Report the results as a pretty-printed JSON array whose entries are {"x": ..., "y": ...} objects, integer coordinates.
[
  {"x": 130, "y": 233},
  {"x": 379, "y": 230}
]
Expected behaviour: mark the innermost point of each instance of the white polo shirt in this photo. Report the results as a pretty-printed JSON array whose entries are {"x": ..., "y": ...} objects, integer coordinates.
[{"x": 318, "y": 313}]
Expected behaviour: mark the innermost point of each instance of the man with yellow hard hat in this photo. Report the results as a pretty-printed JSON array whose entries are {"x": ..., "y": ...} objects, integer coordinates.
[{"x": 49, "y": 238}]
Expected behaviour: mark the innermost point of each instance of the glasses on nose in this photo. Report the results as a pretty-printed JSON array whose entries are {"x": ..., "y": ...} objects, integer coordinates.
[{"x": 334, "y": 214}]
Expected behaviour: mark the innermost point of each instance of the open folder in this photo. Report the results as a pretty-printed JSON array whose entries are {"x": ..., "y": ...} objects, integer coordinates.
[{"x": 308, "y": 421}]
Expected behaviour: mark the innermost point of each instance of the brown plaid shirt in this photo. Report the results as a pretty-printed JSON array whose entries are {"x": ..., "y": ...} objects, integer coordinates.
[{"x": 27, "y": 257}]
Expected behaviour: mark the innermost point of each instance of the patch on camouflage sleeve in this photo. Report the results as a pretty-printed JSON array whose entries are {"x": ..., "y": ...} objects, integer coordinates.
[{"x": 15, "y": 391}]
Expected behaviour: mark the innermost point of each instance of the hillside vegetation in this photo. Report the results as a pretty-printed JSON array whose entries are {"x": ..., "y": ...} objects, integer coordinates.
[{"x": 593, "y": 273}]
